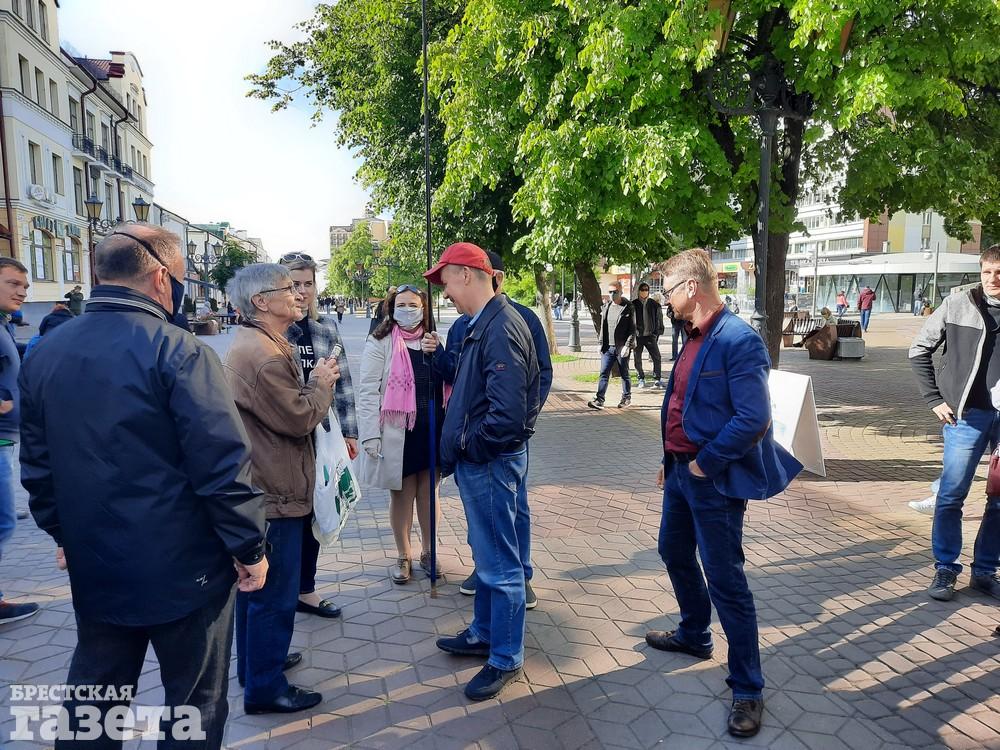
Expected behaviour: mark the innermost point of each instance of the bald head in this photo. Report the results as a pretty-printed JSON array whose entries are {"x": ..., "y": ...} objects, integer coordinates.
[{"x": 120, "y": 260}]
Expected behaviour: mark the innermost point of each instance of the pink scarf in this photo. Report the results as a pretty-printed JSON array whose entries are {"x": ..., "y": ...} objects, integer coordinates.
[{"x": 399, "y": 405}]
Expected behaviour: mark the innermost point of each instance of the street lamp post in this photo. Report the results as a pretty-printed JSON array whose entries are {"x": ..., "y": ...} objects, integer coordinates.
[
  {"x": 738, "y": 87},
  {"x": 362, "y": 275},
  {"x": 94, "y": 206},
  {"x": 207, "y": 259},
  {"x": 387, "y": 263},
  {"x": 574, "y": 327}
]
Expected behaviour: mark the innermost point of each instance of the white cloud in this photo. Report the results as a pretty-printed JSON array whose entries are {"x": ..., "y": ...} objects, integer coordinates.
[{"x": 219, "y": 156}]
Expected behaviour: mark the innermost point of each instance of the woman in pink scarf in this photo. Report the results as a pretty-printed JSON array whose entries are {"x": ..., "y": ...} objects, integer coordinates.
[{"x": 394, "y": 418}]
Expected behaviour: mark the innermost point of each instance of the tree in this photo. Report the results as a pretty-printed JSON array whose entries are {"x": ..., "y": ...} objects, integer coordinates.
[
  {"x": 602, "y": 111},
  {"x": 234, "y": 257}
]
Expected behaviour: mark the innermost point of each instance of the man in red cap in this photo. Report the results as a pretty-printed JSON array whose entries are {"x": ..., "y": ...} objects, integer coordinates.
[{"x": 491, "y": 414}]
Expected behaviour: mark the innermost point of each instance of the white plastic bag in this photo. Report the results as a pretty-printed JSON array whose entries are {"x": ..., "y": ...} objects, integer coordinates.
[{"x": 337, "y": 488}]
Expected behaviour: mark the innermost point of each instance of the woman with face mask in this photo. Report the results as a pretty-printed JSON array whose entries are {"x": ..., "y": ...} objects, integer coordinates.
[{"x": 399, "y": 363}]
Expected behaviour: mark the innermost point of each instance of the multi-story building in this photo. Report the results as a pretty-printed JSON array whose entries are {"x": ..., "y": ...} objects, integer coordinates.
[
  {"x": 72, "y": 128},
  {"x": 340, "y": 234},
  {"x": 896, "y": 255}
]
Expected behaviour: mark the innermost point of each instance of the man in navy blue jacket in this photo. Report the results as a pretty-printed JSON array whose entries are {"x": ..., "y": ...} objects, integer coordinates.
[
  {"x": 719, "y": 451},
  {"x": 490, "y": 417},
  {"x": 456, "y": 335}
]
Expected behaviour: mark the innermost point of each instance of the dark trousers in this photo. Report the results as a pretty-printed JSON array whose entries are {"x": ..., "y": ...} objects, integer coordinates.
[
  {"x": 194, "y": 657},
  {"x": 679, "y": 333},
  {"x": 265, "y": 619},
  {"x": 608, "y": 361},
  {"x": 651, "y": 345},
  {"x": 698, "y": 520},
  {"x": 310, "y": 555}
]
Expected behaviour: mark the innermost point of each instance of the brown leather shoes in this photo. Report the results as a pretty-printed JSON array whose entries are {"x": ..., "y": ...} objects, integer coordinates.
[
  {"x": 666, "y": 640},
  {"x": 400, "y": 572},
  {"x": 744, "y": 718}
]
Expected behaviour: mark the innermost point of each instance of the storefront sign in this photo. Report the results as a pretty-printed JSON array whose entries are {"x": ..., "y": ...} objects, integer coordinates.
[
  {"x": 793, "y": 415},
  {"x": 728, "y": 267},
  {"x": 55, "y": 227}
]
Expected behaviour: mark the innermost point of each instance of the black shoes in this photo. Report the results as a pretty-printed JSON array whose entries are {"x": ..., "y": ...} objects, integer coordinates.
[
  {"x": 597, "y": 403},
  {"x": 291, "y": 661},
  {"x": 294, "y": 699},
  {"x": 745, "y": 716},
  {"x": 530, "y": 600},
  {"x": 943, "y": 586},
  {"x": 326, "y": 608},
  {"x": 14, "y": 612},
  {"x": 489, "y": 682},
  {"x": 464, "y": 644},
  {"x": 625, "y": 402},
  {"x": 989, "y": 585},
  {"x": 469, "y": 585},
  {"x": 666, "y": 640}
]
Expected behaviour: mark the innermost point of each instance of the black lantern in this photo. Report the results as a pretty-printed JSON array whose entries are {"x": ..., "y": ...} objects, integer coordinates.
[{"x": 141, "y": 208}]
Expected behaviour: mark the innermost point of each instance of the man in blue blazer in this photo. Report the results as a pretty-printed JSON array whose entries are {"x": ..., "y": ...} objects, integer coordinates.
[{"x": 719, "y": 452}]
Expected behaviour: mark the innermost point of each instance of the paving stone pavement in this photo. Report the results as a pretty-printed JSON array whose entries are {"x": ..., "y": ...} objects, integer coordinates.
[{"x": 854, "y": 653}]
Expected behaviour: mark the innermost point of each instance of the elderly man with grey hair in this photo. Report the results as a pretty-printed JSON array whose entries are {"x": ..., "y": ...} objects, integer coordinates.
[
  {"x": 280, "y": 412},
  {"x": 137, "y": 465}
]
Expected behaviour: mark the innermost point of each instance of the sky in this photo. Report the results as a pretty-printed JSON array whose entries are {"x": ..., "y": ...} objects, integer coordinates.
[{"x": 217, "y": 155}]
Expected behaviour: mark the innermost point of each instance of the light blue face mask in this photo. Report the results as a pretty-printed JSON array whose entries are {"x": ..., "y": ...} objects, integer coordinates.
[{"x": 408, "y": 317}]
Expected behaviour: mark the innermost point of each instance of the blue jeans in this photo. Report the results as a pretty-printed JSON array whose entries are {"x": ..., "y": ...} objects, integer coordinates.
[
  {"x": 8, "y": 515},
  {"x": 964, "y": 445},
  {"x": 558, "y": 312},
  {"x": 498, "y": 536},
  {"x": 608, "y": 359},
  {"x": 865, "y": 317},
  {"x": 265, "y": 619},
  {"x": 697, "y": 518}
]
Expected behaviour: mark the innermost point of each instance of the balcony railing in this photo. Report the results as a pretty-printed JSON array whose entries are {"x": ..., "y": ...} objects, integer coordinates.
[{"x": 84, "y": 143}]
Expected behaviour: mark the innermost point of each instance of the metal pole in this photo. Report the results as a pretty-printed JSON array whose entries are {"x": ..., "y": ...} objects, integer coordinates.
[
  {"x": 937, "y": 258},
  {"x": 815, "y": 279},
  {"x": 431, "y": 406},
  {"x": 768, "y": 118},
  {"x": 574, "y": 328}
]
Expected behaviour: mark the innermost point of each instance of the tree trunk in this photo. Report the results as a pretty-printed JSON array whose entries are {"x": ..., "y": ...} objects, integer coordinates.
[
  {"x": 789, "y": 151},
  {"x": 590, "y": 290},
  {"x": 542, "y": 283}
]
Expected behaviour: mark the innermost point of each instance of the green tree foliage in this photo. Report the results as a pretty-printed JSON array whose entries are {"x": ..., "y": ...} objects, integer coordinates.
[
  {"x": 602, "y": 111},
  {"x": 234, "y": 257}
]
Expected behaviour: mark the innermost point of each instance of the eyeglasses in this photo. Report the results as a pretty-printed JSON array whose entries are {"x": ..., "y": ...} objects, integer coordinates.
[
  {"x": 289, "y": 288},
  {"x": 292, "y": 257},
  {"x": 674, "y": 288},
  {"x": 407, "y": 288}
]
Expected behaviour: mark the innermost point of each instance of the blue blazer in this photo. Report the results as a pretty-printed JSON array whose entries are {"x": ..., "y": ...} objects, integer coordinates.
[{"x": 727, "y": 413}]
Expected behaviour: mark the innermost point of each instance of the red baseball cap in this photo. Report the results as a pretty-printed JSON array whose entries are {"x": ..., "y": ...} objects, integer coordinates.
[{"x": 460, "y": 254}]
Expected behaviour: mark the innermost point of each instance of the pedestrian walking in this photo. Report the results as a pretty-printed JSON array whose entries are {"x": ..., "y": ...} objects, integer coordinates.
[
  {"x": 279, "y": 412},
  {"x": 617, "y": 336},
  {"x": 865, "y": 302},
  {"x": 401, "y": 359},
  {"x": 719, "y": 452},
  {"x": 315, "y": 337},
  {"x": 13, "y": 291},
  {"x": 841, "y": 303},
  {"x": 341, "y": 309},
  {"x": 490, "y": 416},
  {"x": 137, "y": 466},
  {"x": 60, "y": 314},
  {"x": 918, "y": 302},
  {"x": 965, "y": 328},
  {"x": 74, "y": 299},
  {"x": 648, "y": 329},
  {"x": 557, "y": 306},
  {"x": 456, "y": 337}
]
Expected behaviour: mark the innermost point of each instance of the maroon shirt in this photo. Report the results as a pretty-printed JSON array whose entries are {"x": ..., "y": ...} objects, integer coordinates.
[{"x": 676, "y": 440}]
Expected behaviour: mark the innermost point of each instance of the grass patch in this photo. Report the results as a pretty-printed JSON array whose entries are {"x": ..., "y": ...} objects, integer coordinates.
[
  {"x": 587, "y": 377},
  {"x": 557, "y": 358}
]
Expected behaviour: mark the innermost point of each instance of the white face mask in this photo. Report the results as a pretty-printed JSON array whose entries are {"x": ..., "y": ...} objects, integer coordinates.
[{"x": 409, "y": 317}]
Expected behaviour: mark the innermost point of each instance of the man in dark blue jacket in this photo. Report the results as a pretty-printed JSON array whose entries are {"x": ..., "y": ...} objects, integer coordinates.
[
  {"x": 137, "y": 465},
  {"x": 491, "y": 415},
  {"x": 719, "y": 451},
  {"x": 456, "y": 335}
]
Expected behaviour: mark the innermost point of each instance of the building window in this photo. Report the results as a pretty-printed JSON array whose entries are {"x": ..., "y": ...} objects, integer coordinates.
[
  {"x": 30, "y": 6},
  {"x": 40, "y": 88},
  {"x": 848, "y": 243},
  {"x": 72, "y": 260},
  {"x": 78, "y": 194},
  {"x": 107, "y": 201},
  {"x": 74, "y": 115},
  {"x": 145, "y": 166},
  {"x": 58, "y": 182},
  {"x": 41, "y": 255},
  {"x": 134, "y": 162},
  {"x": 53, "y": 98},
  {"x": 43, "y": 20},
  {"x": 17, "y": 8},
  {"x": 138, "y": 117},
  {"x": 25, "y": 76},
  {"x": 105, "y": 137},
  {"x": 925, "y": 243},
  {"x": 35, "y": 162}
]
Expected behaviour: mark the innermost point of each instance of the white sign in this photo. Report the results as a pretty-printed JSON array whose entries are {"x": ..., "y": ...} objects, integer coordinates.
[{"x": 793, "y": 415}]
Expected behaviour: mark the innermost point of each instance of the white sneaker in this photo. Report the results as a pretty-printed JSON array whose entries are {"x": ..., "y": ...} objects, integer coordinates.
[{"x": 925, "y": 506}]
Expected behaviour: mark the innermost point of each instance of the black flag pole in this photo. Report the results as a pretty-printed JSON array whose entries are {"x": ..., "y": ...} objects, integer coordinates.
[{"x": 431, "y": 400}]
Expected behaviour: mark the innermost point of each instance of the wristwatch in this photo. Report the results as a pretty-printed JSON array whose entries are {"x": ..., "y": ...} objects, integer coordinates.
[{"x": 254, "y": 556}]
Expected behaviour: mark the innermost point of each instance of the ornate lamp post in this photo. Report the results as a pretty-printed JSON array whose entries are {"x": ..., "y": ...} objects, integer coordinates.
[
  {"x": 574, "y": 328},
  {"x": 208, "y": 259},
  {"x": 141, "y": 208},
  {"x": 361, "y": 276},
  {"x": 387, "y": 263},
  {"x": 96, "y": 223}
]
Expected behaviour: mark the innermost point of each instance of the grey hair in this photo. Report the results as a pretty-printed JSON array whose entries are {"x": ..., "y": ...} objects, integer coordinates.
[{"x": 251, "y": 280}]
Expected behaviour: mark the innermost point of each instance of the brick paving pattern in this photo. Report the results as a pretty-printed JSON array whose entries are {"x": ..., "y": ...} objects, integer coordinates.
[{"x": 854, "y": 653}]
